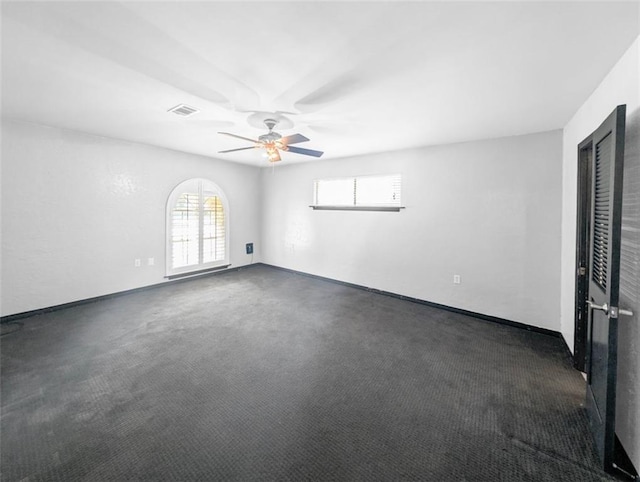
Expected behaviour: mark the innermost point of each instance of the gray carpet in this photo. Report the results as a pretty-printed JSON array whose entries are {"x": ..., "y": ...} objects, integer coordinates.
[{"x": 262, "y": 374}]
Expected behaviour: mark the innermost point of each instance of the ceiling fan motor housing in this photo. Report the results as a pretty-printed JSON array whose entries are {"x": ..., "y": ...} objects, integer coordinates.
[
  {"x": 270, "y": 123},
  {"x": 271, "y": 136}
]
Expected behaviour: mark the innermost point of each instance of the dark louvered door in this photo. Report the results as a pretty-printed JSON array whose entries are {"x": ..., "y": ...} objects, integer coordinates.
[{"x": 604, "y": 280}]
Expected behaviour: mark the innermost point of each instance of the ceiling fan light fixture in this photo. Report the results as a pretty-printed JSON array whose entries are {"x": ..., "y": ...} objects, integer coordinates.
[
  {"x": 272, "y": 153},
  {"x": 273, "y": 143}
]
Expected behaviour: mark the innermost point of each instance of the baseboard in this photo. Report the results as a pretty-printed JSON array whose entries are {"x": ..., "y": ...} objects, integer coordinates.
[
  {"x": 622, "y": 465},
  {"x": 182, "y": 279},
  {"x": 481, "y": 316},
  {"x": 567, "y": 349}
]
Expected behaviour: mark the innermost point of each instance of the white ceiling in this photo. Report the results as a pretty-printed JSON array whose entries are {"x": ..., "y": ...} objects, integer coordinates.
[{"x": 354, "y": 77}]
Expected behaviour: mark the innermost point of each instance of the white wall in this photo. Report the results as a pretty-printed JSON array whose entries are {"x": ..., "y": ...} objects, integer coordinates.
[
  {"x": 78, "y": 209},
  {"x": 488, "y": 211},
  {"x": 621, "y": 86}
]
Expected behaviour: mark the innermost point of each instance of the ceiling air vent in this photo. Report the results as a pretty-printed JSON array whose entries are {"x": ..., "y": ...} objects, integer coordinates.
[{"x": 183, "y": 110}]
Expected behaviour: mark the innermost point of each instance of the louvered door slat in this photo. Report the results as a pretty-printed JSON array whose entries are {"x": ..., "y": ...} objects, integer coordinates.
[{"x": 602, "y": 212}]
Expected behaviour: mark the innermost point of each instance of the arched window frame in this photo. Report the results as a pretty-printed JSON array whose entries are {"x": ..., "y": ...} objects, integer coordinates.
[{"x": 200, "y": 186}]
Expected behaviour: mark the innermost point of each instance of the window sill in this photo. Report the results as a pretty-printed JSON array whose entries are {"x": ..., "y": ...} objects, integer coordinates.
[
  {"x": 193, "y": 273},
  {"x": 357, "y": 208}
]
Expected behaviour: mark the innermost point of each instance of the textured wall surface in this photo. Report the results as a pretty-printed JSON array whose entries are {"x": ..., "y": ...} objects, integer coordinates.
[
  {"x": 488, "y": 211},
  {"x": 77, "y": 210}
]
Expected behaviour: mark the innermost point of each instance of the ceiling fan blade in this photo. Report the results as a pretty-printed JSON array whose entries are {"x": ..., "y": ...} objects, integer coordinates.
[
  {"x": 306, "y": 152},
  {"x": 234, "y": 150},
  {"x": 239, "y": 137},
  {"x": 293, "y": 139}
]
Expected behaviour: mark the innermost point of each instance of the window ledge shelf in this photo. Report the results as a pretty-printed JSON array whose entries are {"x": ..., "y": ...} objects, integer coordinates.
[
  {"x": 193, "y": 273},
  {"x": 357, "y": 208}
]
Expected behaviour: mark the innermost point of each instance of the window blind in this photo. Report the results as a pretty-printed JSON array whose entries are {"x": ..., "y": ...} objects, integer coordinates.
[{"x": 361, "y": 191}]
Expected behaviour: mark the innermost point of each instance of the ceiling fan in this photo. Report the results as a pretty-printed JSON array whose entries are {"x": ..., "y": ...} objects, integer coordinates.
[{"x": 273, "y": 143}]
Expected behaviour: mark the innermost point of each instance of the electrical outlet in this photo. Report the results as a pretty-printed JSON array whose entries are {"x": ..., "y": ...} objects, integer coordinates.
[
  {"x": 456, "y": 279},
  {"x": 136, "y": 262},
  {"x": 249, "y": 248},
  {"x": 151, "y": 261}
]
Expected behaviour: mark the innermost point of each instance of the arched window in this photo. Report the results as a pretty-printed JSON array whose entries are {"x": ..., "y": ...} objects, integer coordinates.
[{"x": 197, "y": 227}]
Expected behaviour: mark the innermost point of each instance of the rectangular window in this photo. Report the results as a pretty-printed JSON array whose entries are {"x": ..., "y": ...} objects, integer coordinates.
[{"x": 371, "y": 193}]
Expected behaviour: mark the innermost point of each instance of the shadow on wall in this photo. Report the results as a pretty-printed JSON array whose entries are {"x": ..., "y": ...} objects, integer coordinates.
[{"x": 628, "y": 397}]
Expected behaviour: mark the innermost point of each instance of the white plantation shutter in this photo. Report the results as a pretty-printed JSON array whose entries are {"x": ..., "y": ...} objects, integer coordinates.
[
  {"x": 334, "y": 192},
  {"x": 361, "y": 191},
  {"x": 378, "y": 190},
  {"x": 196, "y": 227},
  {"x": 213, "y": 229},
  {"x": 185, "y": 225}
]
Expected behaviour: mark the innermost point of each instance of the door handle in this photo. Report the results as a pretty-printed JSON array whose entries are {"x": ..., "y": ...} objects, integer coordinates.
[
  {"x": 614, "y": 311},
  {"x": 593, "y": 306}
]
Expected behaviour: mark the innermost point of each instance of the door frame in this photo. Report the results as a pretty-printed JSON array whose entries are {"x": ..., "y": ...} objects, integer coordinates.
[{"x": 583, "y": 225}]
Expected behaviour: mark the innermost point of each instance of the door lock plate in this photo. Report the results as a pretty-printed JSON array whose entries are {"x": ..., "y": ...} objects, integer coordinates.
[{"x": 614, "y": 312}]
